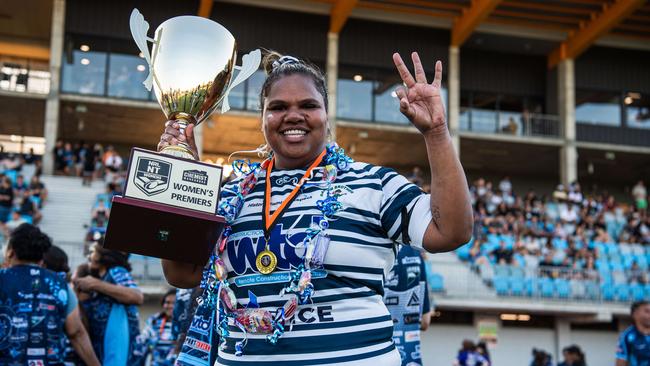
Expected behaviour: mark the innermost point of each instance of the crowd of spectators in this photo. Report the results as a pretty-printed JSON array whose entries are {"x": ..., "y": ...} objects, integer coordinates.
[
  {"x": 89, "y": 161},
  {"x": 22, "y": 194},
  {"x": 566, "y": 230}
]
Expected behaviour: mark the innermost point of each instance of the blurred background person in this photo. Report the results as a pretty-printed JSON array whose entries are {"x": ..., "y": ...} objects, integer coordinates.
[
  {"x": 158, "y": 333},
  {"x": 111, "y": 309},
  {"x": 469, "y": 356},
  {"x": 573, "y": 356},
  {"x": 25, "y": 282},
  {"x": 634, "y": 343}
]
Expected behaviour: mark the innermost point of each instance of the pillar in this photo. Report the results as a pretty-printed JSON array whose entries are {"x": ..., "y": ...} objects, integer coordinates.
[
  {"x": 332, "y": 78},
  {"x": 453, "y": 114},
  {"x": 52, "y": 103},
  {"x": 567, "y": 108},
  {"x": 562, "y": 336}
]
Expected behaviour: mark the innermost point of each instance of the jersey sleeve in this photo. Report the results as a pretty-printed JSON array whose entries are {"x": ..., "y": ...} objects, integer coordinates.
[
  {"x": 622, "y": 353},
  {"x": 72, "y": 301},
  {"x": 122, "y": 277},
  {"x": 405, "y": 211}
]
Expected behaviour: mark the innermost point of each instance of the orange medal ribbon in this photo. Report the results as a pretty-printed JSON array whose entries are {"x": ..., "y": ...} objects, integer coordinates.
[{"x": 266, "y": 260}]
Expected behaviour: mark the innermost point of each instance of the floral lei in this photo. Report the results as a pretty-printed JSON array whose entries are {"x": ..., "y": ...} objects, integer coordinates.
[{"x": 217, "y": 292}]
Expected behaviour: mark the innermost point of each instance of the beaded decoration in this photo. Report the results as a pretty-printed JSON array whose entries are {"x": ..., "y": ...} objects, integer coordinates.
[{"x": 217, "y": 292}]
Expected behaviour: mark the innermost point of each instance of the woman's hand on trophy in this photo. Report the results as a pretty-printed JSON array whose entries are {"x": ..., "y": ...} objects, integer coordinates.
[{"x": 173, "y": 136}]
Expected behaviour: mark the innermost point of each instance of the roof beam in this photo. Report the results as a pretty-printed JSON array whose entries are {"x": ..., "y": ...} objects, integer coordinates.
[
  {"x": 579, "y": 41},
  {"x": 205, "y": 8},
  {"x": 470, "y": 19},
  {"x": 339, "y": 14},
  {"x": 34, "y": 51}
]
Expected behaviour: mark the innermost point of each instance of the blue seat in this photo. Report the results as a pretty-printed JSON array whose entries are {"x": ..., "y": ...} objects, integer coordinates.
[
  {"x": 502, "y": 271},
  {"x": 517, "y": 285},
  {"x": 501, "y": 285},
  {"x": 563, "y": 288},
  {"x": 607, "y": 290},
  {"x": 530, "y": 287},
  {"x": 646, "y": 291},
  {"x": 637, "y": 292},
  {"x": 591, "y": 290},
  {"x": 622, "y": 292},
  {"x": 463, "y": 251},
  {"x": 28, "y": 219},
  {"x": 560, "y": 243},
  {"x": 546, "y": 287},
  {"x": 517, "y": 272},
  {"x": 12, "y": 175},
  {"x": 436, "y": 282}
]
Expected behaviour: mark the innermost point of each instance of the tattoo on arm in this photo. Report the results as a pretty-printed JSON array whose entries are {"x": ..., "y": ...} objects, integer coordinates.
[{"x": 435, "y": 216}]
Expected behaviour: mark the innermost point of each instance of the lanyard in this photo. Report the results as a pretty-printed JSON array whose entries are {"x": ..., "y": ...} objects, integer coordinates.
[{"x": 270, "y": 220}]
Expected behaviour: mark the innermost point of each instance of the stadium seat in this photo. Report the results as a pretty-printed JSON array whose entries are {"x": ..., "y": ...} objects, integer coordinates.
[
  {"x": 637, "y": 292},
  {"x": 560, "y": 243},
  {"x": 578, "y": 289},
  {"x": 517, "y": 272},
  {"x": 546, "y": 287},
  {"x": 622, "y": 292},
  {"x": 463, "y": 251},
  {"x": 501, "y": 285},
  {"x": 529, "y": 287},
  {"x": 517, "y": 286},
  {"x": 11, "y": 174},
  {"x": 436, "y": 282},
  {"x": 591, "y": 290},
  {"x": 562, "y": 287},
  {"x": 647, "y": 291},
  {"x": 607, "y": 291},
  {"x": 501, "y": 271}
]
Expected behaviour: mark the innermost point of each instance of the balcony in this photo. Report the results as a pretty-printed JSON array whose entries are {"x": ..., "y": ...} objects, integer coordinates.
[{"x": 485, "y": 121}]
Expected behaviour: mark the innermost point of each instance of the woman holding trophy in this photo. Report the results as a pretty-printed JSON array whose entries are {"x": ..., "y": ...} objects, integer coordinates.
[{"x": 297, "y": 277}]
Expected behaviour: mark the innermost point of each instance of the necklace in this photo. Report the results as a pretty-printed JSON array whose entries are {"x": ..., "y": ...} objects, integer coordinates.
[{"x": 217, "y": 292}]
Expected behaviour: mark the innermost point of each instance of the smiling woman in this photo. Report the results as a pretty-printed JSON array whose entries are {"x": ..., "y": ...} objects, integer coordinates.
[{"x": 298, "y": 275}]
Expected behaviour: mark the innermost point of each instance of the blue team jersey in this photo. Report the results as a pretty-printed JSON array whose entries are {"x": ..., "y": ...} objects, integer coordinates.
[
  {"x": 470, "y": 358},
  {"x": 33, "y": 308},
  {"x": 160, "y": 340},
  {"x": 407, "y": 298},
  {"x": 181, "y": 315},
  {"x": 109, "y": 321},
  {"x": 634, "y": 347}
]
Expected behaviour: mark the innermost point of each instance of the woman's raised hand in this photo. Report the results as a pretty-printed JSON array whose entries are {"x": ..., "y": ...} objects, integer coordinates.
[
  {"x": 173, "y": 136},
  {"x": 420, "y": 101}
]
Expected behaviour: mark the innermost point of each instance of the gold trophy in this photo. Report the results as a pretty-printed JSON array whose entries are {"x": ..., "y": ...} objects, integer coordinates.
[{"x": 170, "y": 201}]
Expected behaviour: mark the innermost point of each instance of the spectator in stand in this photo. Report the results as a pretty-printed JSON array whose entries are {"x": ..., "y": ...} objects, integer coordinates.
[
  {"x": 69, "y": 159},
  {"x": 482, "y": 348},
  {"x": 100, "y": 214},
  {"x": 505, "y": 185},
  {"x": 97, "y": 158},
  {"x": 634, "y": 343},
  {"x": 112, "y": 163},
  {"x": 39, "y": 192},
  {"x": 6, "y": 199},
  {"x": 503, "y": 255},
  {"x": 575, "y": 194},
  {"x": 15, "y": 221},
  {"x": 541, "y": 358},
  {"x": 469, "y": 356},
  {"x": 640, "y": 195},
  {"x": 112, "y": 308},
  {"x": 19, "y": 186},
  {"x": 27, "y": 207},
  {"x": 88, "y": 166},
  {"x": 24, "y": 282},
  {"x": 59, "y": 161},
  {"x": 158, "y": 335}
]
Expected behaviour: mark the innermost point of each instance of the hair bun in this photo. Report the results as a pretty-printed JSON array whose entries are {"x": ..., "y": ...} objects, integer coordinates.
[{"x": 270, "y": 58}]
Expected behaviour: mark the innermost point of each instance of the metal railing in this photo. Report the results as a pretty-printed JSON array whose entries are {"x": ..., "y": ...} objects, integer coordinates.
[
  {"x": 545, "y": 283},
  {"x": 509, "y": 123}
]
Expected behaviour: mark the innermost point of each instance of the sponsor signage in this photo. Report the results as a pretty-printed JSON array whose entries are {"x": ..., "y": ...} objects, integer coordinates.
[{"x": 173, "y": 181}]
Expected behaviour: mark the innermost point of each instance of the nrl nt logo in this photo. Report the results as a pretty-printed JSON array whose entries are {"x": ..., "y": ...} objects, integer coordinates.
[{"x": 152, "y": 176}]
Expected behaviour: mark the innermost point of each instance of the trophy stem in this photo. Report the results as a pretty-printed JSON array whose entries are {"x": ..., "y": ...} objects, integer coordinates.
[{"x": 182, "y": 150}]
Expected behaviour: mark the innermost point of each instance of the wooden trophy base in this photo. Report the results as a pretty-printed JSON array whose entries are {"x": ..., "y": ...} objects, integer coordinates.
[{"x": 162, "y": 231}]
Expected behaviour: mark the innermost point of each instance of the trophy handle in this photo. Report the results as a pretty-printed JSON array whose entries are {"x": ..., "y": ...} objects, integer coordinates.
[
  {"x": 250, "y": 63},
  {"x": 139, "y": 29}
]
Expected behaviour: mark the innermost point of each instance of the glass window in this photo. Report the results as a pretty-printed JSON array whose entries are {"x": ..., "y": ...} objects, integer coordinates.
[
  {"x": 637, "y": 108},
  {"x": 602, "y": 108},
  {"x": 126, "y": 74},
  {"x": 255, "y": 83},
  {"x": 237, "y": 96},
  {"x": 85, "y": 74},
  {"x": 354, "y": 99},
  {"x": 387, "y": 105}
]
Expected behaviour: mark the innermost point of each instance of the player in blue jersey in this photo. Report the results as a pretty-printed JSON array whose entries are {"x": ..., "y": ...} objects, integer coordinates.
[
  {"x": 158, "y": 332},
  {"x": 634, "y": 343},
  {"x": 35, "y": 307},
  {"x": 407, "y": 298},
  {"x": 307, "y": 194}
]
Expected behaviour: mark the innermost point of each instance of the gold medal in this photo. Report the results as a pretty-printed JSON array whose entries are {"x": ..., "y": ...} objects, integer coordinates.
[{"x": 266, "y": 261}]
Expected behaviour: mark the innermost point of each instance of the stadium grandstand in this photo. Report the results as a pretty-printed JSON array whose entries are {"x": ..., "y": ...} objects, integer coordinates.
[{"x": 548, "y": 105}]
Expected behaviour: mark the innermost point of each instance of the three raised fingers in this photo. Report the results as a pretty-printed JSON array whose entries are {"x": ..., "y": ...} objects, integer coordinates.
[
  {"x": 404, "y": 72},
  {"x": 420, "y": 76}
]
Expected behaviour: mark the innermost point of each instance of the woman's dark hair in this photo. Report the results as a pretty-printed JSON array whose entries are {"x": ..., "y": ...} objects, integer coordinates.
[
  {"x": 278, "y": 66},
  {"x": 168, "y": 293},
  {"x": 638, "y": 304},
  {"x": 29, "y": 243},
  {"x": 112, "y": 258},
  {"x": 56, "y": 260}
]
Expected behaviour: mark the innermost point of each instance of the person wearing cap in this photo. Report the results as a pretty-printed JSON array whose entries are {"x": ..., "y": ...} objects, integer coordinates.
[
  {"x": 36, "y": 308},
  {"x": 634, "y": 342},
  {"x": 112, "y": 308}
]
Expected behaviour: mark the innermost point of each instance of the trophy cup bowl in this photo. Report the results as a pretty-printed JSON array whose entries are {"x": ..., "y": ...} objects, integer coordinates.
[{"x": 191, "y": 68}]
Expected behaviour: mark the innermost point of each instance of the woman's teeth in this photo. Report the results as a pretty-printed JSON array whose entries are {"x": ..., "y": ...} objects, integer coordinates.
[{"x": 294, "y": 133}]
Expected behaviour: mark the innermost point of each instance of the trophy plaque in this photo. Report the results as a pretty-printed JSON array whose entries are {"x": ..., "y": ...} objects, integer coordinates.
[{"x": 169, "y": 206}]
